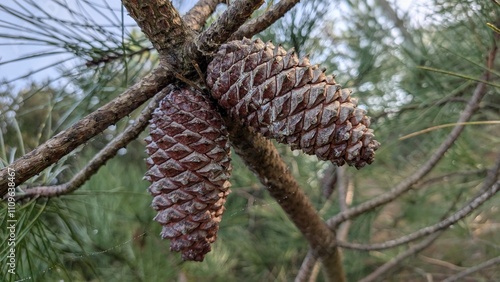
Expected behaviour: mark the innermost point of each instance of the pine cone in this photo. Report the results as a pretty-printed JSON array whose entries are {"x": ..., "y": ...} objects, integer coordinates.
[
  {"x": 189, "y": 168},
  {"x": 291, "y": 101}
]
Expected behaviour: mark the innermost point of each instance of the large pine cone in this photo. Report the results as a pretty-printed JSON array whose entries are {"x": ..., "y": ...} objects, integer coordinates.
[
  {"x": 189, "y": 168},
  {"x": 291, "y": 101}
]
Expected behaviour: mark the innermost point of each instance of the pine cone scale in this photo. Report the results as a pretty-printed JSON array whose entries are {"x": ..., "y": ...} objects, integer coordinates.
[{"x": 290, "y": 100}]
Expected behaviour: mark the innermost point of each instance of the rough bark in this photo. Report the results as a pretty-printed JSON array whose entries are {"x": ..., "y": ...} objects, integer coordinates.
[
  {"x": 196, "y": 17},
  {"x": 219, "y": 32},
  {"x": 263, "y": 21}
]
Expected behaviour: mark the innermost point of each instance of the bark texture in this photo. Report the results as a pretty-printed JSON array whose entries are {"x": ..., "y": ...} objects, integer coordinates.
[{"x": 288, "y": 99}]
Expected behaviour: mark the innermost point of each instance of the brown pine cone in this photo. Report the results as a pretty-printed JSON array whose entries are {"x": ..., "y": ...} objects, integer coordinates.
[
  {"x": 189, "y": 169},
  {"x": 291, "y": 101}
]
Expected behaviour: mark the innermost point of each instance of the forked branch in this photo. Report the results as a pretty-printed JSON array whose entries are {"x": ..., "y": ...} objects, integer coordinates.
[{"x": 263, "y": 159}]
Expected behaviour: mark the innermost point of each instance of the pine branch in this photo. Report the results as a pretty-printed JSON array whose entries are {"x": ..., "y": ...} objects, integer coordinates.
[
  {"x": 219, "y": 32},
  {"x": 309, "y": 264},
  {"x": 263, "y": 159},
  {"x": 265, "y": 20},
  {"x": 396, "y": 261},
  {"x": 100, "y": 159},
  {"x": 408, "y": 183},
  {"x": 307, "y": 267},
  {"x": 162, "y": 24},
  {"x": 196, "y": 17},
  {"x": 468, "y": 271},
  {"x": 66, "y": 141},
  {"x": 489, "y": 188}
]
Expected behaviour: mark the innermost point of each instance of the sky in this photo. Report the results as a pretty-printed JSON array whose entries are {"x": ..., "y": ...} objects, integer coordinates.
[{"x": 11, "y": 49}]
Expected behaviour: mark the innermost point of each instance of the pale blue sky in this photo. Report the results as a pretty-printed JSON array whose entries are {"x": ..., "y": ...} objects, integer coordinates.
[{"x": 11, "y": 49}]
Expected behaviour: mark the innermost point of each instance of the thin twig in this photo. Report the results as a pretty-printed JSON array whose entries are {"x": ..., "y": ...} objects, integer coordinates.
[
  {"x": 440, "y": 263},
  {"x": 306, "y": 268},
  {"x": 66, "y": 141},
  {"x": 468, "y": 271},
  {"x": 219, "y": 32},
  {"x": 407, "y": 183},
  {"x": 489, "y": 188},
  {"x": 263, "y": 21},
  {"x": 396, "y": 261},
  {"x": 108, "y": 152},
  {"x": 112, "y": 56},
  {"x": 445, "y": 177},
  {"x": 196, "y": 17}
]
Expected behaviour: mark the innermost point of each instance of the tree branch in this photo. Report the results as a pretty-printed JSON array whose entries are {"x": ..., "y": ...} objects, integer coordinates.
[
  {"x": 66, "y": 141},
  {"x": 407, "y": 183},
  {"x": 219, "y": 32},
  {"x": 307, "y": 268},
  {"x": 396, "y": 261},
  {"x": 309, "y": 264},
  {"x": 162, "y": 24},
  {"x": 108, "y": 152},
  {"x": 483, "y": 265},
  {"x": 265, "y": 20},
  {"x": 263, "y": 159},
  {"x": 196, "y": 17},
  {"x": 489, "y": 188}
]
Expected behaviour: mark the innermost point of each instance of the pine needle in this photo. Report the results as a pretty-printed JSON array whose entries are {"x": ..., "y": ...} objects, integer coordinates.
[{"x": 486, "y": 122}]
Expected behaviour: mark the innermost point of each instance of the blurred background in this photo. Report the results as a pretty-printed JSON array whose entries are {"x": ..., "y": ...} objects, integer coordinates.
[{"x": 413, "y": 65}]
